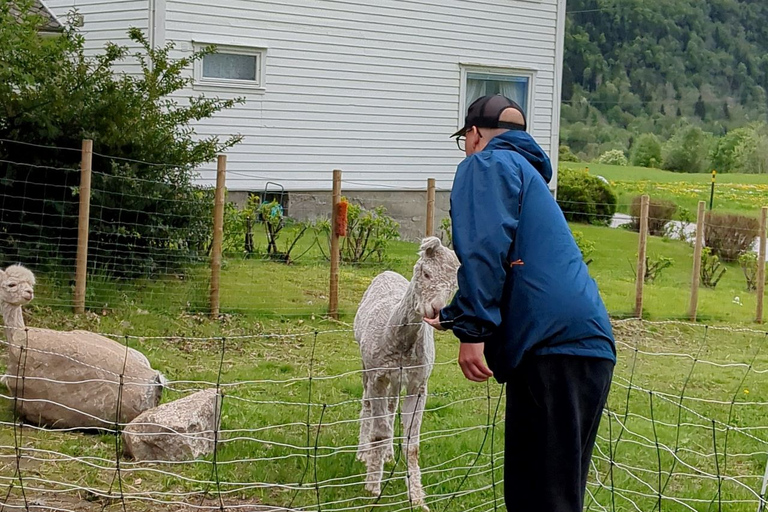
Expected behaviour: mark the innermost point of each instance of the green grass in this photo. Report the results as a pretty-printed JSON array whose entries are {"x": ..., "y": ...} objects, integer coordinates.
[
  {"x": 265, "y": 439},
  {"x": 734, "y": 193}
]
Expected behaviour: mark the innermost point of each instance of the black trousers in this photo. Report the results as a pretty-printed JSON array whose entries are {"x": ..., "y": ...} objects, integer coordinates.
[{"x": 554, "y": 404}]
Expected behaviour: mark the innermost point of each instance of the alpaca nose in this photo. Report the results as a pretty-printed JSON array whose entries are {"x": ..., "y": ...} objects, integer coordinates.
[{"x": 28, "y": 295}]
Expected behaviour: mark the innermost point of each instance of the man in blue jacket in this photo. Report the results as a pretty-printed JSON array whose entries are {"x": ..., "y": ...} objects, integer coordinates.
[{"x": 527, "y": 304}]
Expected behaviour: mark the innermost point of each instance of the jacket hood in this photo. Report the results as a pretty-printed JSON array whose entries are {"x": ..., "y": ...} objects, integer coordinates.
[{"x": 522, "y": 143}]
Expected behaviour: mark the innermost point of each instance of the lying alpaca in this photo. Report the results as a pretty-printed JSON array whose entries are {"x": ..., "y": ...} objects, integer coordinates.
[
  {"x": 54, "y": 365},
  {"x": 392, "y": 335}
]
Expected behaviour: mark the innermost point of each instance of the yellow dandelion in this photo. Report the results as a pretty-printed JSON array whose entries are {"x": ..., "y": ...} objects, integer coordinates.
[{"x": 746, "y": 391}]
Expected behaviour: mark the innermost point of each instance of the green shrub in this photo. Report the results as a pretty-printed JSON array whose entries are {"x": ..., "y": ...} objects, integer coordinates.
[
  {"x": 687, "y": 150},
  {"x": 654, "y": 267},
  {"x": 730, "y": 235},
  {"x": 369, "y": 233},
  {"x": 446, "y": 232},
  {"x": 145, "y": 218},
  {"x": 647, "y": 151},
  {"x": 744, "y": 150},
  {"x": 566, "y": 155},
  {"x": 749, "y": 265},
  {"x": 585, "y": 198},
  {"x": 712, "y": 269},
  {"x": 613, "y": 157},
  {"x": 660, "y": 213},
  {"x": 585, "y": 246}
]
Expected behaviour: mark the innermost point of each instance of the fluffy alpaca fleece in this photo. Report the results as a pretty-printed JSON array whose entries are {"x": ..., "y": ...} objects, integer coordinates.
[
  {"x": 70, "y": 378},
  {"x": 398, "y": 352}
]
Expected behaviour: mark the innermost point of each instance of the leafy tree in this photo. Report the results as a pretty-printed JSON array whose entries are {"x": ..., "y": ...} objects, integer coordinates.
[
  {"x": 144, "y": 216},
  {"x": 687, "y": 150},
  {"x": 647, "y": 151}
]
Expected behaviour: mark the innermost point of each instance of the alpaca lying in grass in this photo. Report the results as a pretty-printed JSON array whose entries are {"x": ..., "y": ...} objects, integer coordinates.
[
  {"x": 398, "y": 351},
  {"x": 70, "y": 378}
]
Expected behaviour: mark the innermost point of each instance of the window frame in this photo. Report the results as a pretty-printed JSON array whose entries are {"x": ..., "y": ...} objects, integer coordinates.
[
  {"x": 258, "y": 85},
  {"x": 503, "y": 71}
]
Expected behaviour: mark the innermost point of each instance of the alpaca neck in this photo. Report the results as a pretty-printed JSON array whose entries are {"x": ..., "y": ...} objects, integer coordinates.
[
  {"x": 13, "y": 320},
  {"x": 405, "y": 320}
]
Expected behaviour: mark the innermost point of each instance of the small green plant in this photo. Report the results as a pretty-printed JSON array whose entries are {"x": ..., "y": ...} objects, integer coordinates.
[
  {"x": 613, "y": 157},
  {"x": 653, "y": 267},
  {"x": 446, "y": 232},
  {"x": 712, "y": 269},
  {"x": 749, "y": 265},
  {"x": 273, "y": 217},
  {"x": 585, "y": 246},
  {"x": 369, "y": 232}
]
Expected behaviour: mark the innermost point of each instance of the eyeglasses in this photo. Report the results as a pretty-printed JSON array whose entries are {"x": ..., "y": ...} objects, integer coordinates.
[{"x": 461, "y": 140}]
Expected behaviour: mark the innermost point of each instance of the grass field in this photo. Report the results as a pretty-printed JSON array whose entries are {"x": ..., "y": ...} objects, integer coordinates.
[
  {"x": 675, "y": 420},
  {"x": 734, "y": 193}
]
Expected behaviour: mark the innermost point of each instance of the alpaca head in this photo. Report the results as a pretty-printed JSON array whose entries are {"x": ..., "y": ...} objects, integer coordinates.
[
  {"x": 17, "y": 285},
  {"x": 434, "y": 277}
]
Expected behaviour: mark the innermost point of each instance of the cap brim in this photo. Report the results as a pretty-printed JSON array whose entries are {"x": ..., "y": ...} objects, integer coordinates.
[{"x": 460, "y": 132}]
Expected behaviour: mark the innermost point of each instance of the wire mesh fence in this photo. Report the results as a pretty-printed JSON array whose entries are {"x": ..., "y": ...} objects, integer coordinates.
[{"x": 684, "y": 429}]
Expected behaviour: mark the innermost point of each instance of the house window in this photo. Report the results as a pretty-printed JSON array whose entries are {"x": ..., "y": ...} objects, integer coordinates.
[
  {"x": 232, "y": 66},
  {"x": 514, "y": 87}
]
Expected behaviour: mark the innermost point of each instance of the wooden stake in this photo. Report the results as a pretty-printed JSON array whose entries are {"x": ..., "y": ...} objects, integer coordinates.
[
  {"x": 81, "y": 265},
  {"x": 761, "y": 266},
  {"x": 333, "y": 296},
  {"x": 641, "y": 251},
  {"x": 430, "y": 207},
  {"x": 696, "y": 274},
  {"x": 218, "y": 233}
]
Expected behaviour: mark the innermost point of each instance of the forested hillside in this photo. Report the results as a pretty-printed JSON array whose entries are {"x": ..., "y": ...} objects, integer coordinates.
[{"x": 649, "y": 66}]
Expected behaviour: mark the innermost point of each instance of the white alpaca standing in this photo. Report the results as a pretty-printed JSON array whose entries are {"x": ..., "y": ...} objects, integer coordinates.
[{"x": 398, "y": 351}]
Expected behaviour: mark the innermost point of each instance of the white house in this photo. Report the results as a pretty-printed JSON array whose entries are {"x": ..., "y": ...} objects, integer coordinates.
[{"x": 372, "y": 87}]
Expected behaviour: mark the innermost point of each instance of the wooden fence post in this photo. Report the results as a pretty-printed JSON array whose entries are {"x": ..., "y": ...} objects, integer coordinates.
[
  {"x": 81, "y": 265},
  {"x": 430, "y": 207},
  {"x": 641, "y": 251},
  {"x": 333, "y": 296},
  {"x": 697, "y": 249},
  {"x": 218, "y": 233},
  {"x": 761, "y": 266}
]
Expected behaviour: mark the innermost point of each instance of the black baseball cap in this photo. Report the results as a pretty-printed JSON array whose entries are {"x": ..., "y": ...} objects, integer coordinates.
[{"x": 485, "y": 112}]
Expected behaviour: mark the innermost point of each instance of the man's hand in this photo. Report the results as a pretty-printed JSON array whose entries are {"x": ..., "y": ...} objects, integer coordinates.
[
  {"x": 435, "y": 322},
  {"x": 472, "y": 362}
]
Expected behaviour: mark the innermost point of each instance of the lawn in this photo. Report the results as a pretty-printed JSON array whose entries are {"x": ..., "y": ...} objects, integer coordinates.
[
  {"x": 734, "y": 193},
  {"x": 268, "y": 456}
]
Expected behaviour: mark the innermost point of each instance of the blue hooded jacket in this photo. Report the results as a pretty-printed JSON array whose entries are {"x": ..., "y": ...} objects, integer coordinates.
[{"x": 524, "y": 288}]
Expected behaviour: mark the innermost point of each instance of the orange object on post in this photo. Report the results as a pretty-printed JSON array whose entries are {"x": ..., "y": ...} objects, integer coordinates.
[{"x": 341, "y": 218}]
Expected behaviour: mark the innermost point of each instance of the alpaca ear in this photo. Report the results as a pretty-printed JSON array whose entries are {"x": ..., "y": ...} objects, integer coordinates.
[{"x": 429, "y": 246}]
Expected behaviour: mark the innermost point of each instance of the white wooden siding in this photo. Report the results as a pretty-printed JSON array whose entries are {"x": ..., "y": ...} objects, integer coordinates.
[
  {"x": 107, "y": 21},
  {"x": 367, "y": 86}
]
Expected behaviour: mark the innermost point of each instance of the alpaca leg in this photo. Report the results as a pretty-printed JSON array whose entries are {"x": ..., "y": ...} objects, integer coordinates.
[
  {"x": 413, "y": 412},
  {"x": 379, "y": 392},
  {"x": 365, "y": 422}
]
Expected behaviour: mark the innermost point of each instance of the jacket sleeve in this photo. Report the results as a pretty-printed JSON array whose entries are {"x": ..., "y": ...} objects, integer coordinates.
[{"x": 485, "y": 204}]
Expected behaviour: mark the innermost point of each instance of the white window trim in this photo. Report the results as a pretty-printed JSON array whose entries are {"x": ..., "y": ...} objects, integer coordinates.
[
  {"x": 530, "y": 74},
  {"x": 257, "y": 86}
]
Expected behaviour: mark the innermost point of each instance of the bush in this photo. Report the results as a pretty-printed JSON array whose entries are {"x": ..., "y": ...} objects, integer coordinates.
[
  {"x": 144, "y": 217},
  {"x": 369, "y": 232},
  {"x": 744, "y": 150},
  {"x": 566, "y": 155},
  {"x": 712, "y": 269},
  {"x": 585, "y": 246},
  {"x": 446, "y": 232},
  {"x": 660, "y": 213},
  {"x": 749, "y": 265},
  {"x": 687, "y": 150},
  {"x": 585, "y": 198},
  {"x": 613, "y": 157},
  {"x": 647, "y": 151},
  {"x": 729, "y": 235},
  {"x": 653, "y": 267}
]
